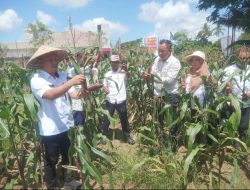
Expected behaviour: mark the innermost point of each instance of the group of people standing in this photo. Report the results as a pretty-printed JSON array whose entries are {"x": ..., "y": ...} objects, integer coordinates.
[{"x": 54, "y": 89}]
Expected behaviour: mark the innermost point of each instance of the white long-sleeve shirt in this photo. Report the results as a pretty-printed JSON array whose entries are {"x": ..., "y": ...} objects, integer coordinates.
[
  {"x": 238, "y": 81},
  {"x": 116, "y": 82},
  {"x": 168, "y": 72}
]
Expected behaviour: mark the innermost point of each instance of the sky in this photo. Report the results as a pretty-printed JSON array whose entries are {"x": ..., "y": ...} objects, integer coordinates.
[{"x": 127, "y": 19}]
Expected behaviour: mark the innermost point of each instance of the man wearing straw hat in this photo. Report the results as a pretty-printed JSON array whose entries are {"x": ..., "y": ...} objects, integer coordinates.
[{"x": 52, "y": 90}]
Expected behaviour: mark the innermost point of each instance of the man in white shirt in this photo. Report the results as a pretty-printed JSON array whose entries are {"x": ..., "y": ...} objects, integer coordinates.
[
  {"x": 115, "y": 88},
  {"x": 90, "y": 72},
  {"x": 239, "y": 86},
  {"x": 52, "y": 90},
  {"x": 165, "y": 71}
]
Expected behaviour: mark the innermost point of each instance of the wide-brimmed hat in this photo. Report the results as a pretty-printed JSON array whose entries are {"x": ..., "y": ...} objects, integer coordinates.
[
  {"x": 199, "y": 54},
  {"x": 43, "y": 51},
  {"x": 114, "y": 58}
]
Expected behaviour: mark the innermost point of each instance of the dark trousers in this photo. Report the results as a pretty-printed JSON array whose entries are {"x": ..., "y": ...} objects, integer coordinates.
[
  {"x": 122, "y": 111},
  {"x": 54, "y": 146},
  {"x": 173, "y": 99},
  {"x": 244, "y": 123},
  {"x": 78, "y": 118}
]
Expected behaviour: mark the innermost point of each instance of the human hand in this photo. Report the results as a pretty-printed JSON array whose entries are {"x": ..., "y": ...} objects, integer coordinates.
[
  {"x": 124, "y": 67},
  {"x": 228, "y": 89},
  {"x": 246, "y": 95},
  {"x": 78, "y": 79},
  {"x": 82, "y": 93},
  {"x": 146, "y": 76},
  {"x": 183, "y": 85},
  {"x": 106, "y": 89}
]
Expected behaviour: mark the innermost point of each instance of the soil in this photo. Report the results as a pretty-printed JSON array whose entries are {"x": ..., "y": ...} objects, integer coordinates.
[
  {"x": 119, "y": 145},
  {"x": 243, "y": 181}
]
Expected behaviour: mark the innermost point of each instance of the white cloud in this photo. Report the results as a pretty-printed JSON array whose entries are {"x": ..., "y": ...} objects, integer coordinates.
[
  {"x": 68, "y": 3},
  {"x": 112, "y": 29},
  {"x": 9, "y": 19},
  {"x": 45, "y": 18},
  {"x": 172, "y": 17}
]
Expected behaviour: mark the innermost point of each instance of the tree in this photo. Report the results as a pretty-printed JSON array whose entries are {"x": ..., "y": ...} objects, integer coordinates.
[
  {"x": 180, "y": 37},
  {"x": 245, "y": 36},
  {"x": 218, "y": 30},
  {"x": 40, "y": 34},
  {"x": 233, "y": 13},
  {"x": 3, "y": 52},
  {"x": 204, "y": 34}
]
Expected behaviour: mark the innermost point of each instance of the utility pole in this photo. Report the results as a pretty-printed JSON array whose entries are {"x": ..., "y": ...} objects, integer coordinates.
[
  {"x": 99, "y": 33},
  {"x": 72, "y": 32}
]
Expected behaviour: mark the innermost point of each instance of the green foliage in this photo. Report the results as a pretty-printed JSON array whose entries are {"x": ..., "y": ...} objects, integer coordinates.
[
  {"x": 204, "y": 34},
  {"x": 233, "y": 13},
  {"x": 209, "y": 136},
  {"x": 40, "y": 34}
]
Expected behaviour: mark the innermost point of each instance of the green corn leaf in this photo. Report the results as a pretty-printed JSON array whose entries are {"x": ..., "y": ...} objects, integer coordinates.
[
  {"x": 105, "y": 112},
  {"x": 236, "y": 116},
  {"x": 30, "y": 100},
  {"x": 111, "y": 180},
  {"x": 189, "y": 160},
  {"x": 164, "y": 109},
  {"x": 212, "y": 112},
  {"x": 184, "y": 109},
  {"x": 235, "y": 174},
  {"x": 4, "y": 114},
  {"x": 89, "y": 166},
  {"x": 212, "y": 137},
  {"x": 224, "y": 84},
  {"x": 157, "y": 77},
  {"x": 116, "y": 84},
  {"x": 192, "y": 132},
  {"x": 76, "y": 66},
  {"x": 100, "y": 153},
  {"x": 11, "y": 184},
  {"x": 236, "y": 140},
  {"x": 4, "y": 131},
  {"x": 149, "y": 139}
]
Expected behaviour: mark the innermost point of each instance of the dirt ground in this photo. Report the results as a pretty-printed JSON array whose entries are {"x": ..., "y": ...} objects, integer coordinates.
[
  {"x": 243, "y": 178},
  {"x": 119, "y": 145}
]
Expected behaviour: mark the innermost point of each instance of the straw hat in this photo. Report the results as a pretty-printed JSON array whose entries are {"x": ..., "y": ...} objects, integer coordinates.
[
  {"x": 114, "y": 58},
  {"x": 44, "y": 51},
  {"x": 199, "y": 54}
]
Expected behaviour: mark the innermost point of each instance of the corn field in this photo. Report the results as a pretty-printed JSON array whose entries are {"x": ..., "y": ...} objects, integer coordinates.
[{"x": 208, "y": 140}]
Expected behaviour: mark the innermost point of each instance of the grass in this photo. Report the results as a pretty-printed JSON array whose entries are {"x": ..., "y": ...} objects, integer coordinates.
[{"x": 139, "y": 171}]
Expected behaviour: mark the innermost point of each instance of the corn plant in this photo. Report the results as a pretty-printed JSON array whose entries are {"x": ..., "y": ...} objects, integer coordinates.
[
  {"x": 20, "y": 149},
  {"x": 212, "y": 136}
]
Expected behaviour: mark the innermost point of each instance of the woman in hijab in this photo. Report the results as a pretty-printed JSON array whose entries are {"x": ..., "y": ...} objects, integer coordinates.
[{"x": 193, "y": 82}]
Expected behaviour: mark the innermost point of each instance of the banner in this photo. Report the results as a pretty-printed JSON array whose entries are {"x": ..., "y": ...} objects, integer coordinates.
[{"x": 151, "y": 43}]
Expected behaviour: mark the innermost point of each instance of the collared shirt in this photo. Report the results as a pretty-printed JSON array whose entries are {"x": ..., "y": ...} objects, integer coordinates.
[
  {"x": 77, "y": 104},
  {"x": 167, "y": 71},
  {"x": 116, "y": 82},
  {"x": 55, "y": 116},
  {"x": 238, "y": 81}
]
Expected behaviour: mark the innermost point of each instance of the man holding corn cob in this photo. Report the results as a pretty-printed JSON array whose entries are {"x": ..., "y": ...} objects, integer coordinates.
[
  {"x": 52, "y": 90},
  {"x": 115, "y": 88},
  {"x": 164, "y": 72}
]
